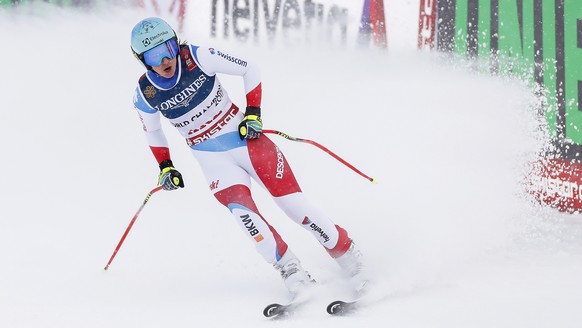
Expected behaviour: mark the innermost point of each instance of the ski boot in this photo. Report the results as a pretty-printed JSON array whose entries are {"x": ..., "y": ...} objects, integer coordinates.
[
  {"x": 351, "y": 263},
  {"x": 295, "y": 278}
]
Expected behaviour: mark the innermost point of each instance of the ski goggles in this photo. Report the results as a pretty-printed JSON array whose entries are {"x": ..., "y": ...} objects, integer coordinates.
[{"x": 156, "y": 55}]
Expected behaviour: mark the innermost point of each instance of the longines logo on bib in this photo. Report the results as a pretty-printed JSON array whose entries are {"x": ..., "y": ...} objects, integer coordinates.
[{"x": 184, "y": 97}]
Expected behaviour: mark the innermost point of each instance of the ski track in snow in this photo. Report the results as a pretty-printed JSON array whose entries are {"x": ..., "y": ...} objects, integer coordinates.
[{"x": 451, "y": 239}]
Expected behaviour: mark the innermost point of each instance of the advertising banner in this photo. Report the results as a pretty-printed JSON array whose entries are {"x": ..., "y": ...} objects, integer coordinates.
[
  {"x": 338, "y": 22},
  {"x": 539, "y": 41}
]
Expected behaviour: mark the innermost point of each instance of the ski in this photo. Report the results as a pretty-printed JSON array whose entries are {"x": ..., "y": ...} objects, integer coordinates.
[
  {"x": 341, "y": 307},
  {"x": 277, "y": 310}
]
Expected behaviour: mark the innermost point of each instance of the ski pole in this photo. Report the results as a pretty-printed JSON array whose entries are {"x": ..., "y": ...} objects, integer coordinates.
[
  {"x": 156, "y": 189},
  {"x": 332, "y": 154}
]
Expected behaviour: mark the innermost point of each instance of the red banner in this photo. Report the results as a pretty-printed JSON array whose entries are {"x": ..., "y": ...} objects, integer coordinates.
[
  {"x": 373, "y": 24},
  {"x": 427, "y": 24},
  {"x": 558, "y": 183}
]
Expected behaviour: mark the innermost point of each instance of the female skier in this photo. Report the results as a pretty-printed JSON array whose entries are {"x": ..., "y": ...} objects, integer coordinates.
[{"x": 181, "y": 84}]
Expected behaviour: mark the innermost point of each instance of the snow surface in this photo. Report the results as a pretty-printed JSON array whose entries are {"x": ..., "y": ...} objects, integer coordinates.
[{"x": 451, "y": 238}]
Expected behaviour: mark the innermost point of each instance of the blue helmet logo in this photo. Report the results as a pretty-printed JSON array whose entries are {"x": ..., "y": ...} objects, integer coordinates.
[
  {"x": 149, "y": 33},
  {"x": 147, "y": 26}
]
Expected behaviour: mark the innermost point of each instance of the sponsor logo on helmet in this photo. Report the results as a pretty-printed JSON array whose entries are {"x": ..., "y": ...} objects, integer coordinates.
[
  {"x": 155, "y": 39},
  {"x": 147, "y": 26}
]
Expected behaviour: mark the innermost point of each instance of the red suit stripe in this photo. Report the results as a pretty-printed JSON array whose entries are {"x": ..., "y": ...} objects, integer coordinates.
[
  {"x": 254, "y": 96},
  {"x": 272, "y": 167},
  {"x": 343, "y": 243},
  {"x": 239, "y": 194},
  {"x": 160, "y": 153}
]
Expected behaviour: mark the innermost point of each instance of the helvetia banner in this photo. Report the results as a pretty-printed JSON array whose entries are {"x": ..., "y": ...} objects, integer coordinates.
[
  {"x": 337, "y": 22},
  {"x": 539, "y": 41}
]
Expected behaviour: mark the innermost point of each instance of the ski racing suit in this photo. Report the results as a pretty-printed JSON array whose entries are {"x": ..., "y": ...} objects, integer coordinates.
[{"x": 197, "y": 105}]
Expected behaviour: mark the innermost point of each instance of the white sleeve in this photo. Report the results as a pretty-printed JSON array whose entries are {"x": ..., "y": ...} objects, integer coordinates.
[
  {"x": 150, "y": 119},
  {"x": 156, "y": 138},
  {"x": 213, "y": 61}
]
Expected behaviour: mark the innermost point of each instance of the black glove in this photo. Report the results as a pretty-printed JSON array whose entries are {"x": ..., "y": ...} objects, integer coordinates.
[
  {"x": 170, "y": 178},
  {"x": 251, "y": 126}
]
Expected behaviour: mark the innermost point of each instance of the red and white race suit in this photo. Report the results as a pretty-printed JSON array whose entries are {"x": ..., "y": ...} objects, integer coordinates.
[{"x": 198, "y": 106}]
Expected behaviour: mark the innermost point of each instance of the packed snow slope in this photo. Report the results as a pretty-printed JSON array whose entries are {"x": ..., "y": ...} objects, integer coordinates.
[{"x": 449, "y": 235}]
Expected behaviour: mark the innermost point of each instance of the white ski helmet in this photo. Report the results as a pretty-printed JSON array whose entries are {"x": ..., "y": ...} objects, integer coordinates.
[{"x": 149, "y": 33}]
